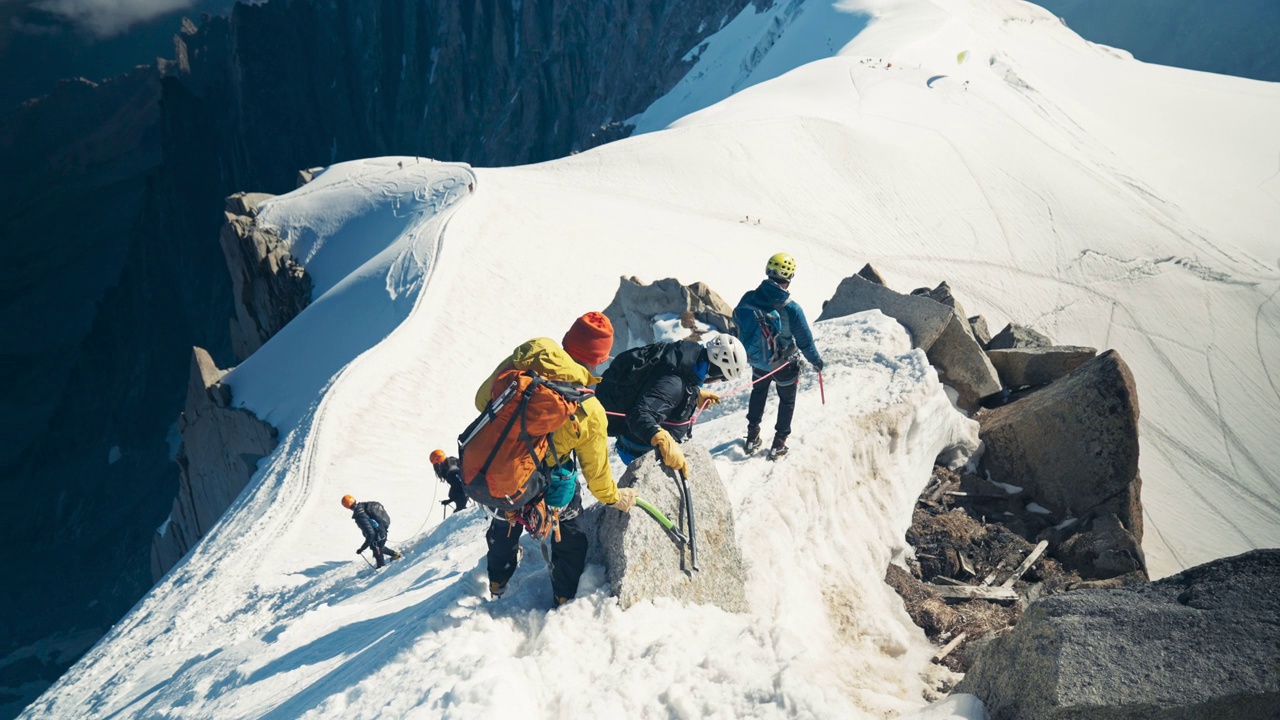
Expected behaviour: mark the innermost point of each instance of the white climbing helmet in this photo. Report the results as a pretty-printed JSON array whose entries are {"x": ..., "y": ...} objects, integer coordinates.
[{"x": 729, "y": 354}]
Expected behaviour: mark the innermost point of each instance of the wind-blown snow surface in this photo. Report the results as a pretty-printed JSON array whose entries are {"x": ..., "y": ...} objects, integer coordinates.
[{"x": 1106, "y": 202}]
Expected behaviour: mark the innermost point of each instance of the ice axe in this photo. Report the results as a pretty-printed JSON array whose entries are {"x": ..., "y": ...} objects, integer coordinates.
[
  {"x": 822, "y": 389},
  {"x": 682, "y": 482},
  {"x": 676, "y": 536}
]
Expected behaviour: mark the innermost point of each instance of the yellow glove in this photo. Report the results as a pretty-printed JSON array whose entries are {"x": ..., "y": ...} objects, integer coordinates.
[
  {"x": 626, "y": 499},
  {"x": 669, "y": 449},
  {"x": 707, "y": 398}
]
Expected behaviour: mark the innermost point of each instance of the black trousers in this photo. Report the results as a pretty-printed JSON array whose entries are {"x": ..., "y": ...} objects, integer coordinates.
[
  {"x": 379, "y": 546},
  {"x": 786, "y": 379},
  {"x": 568, "y": 557}
]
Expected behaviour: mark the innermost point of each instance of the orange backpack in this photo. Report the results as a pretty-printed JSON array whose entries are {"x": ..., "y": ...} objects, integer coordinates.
[{"x": 504, "y": 451}]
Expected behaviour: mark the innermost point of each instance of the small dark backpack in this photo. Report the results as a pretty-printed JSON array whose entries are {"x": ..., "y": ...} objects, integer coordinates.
[
  {"x": 625, "y": 379},
  {"x": 378, "y": 514},
  {"x": 760, "y": 331}
]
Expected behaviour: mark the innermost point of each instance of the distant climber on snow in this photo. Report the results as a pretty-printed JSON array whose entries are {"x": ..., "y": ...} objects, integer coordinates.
[
  {"x": 539, "y": 425},
  {"x": 373, "y": 521},
  {"x": 449, "y": 470},
  {"x": 655, "y": 390},
  {"x": 775, "y": 332}
]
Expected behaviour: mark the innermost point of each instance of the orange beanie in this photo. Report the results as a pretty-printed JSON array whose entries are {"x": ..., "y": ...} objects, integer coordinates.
[{"x": 590, "y": 339}]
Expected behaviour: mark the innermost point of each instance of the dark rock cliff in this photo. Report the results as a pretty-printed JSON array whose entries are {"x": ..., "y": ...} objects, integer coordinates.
[{"x": 111, "y": 210}]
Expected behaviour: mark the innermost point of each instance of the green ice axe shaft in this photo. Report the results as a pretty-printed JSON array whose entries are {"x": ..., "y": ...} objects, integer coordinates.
[{"x": 663, "y": 520}]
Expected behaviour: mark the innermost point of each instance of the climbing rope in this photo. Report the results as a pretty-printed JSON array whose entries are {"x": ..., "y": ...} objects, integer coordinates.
[{"x": 435, "y": 489}]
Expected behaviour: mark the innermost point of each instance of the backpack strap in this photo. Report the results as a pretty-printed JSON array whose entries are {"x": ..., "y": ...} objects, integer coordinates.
[
  {"x": 490, "y": 412},
  {"x": 767, "y": 333},
  {"x": 519, "y": 413}
]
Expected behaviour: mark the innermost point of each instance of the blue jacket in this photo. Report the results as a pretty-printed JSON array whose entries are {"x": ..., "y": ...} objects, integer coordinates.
[{"x": 786, "y": 320}]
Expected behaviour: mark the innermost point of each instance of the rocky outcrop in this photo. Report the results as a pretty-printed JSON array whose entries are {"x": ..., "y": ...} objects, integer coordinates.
[
  {"x": 923, "y": 318},
  {"x": 221, "y": 446},
  {"x": 636, "y": 304},
  {"x": 869, "y": 273},
  {"x": 643, "y": 563},
  {"x": 938, "y": 328},
  {"x": 1033, "y": 366},
  {"x": 1073, "y": 446},
  {"x": 1102, "y": 548},
  {"x": 942, "y": 294},
  {"x": 1199, "y": 645},
  {"x": 269, "y": 286},
  {"x": 963, "y": 365},
  {"x": 1018, "y": 336},
  {"x": 978, "y": 328}
]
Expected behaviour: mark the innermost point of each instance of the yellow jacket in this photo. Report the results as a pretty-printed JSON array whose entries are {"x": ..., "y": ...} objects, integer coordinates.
[{"x": 587, "y": 432}]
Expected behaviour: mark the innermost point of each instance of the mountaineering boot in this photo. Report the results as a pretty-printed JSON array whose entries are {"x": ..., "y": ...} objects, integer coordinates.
[
  {"x": 496, "y": 589},
  {"x": 393, "y": 555},
  {"x": 753, "y": 441},
  {"x": 561, "y": 600},
  {"x": 779, "y": 448}
]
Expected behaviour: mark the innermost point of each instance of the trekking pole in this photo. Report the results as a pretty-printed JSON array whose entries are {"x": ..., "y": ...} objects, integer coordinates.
[
  {"x": 822, "y": 390},
  {"x": 676, "y": 536}
]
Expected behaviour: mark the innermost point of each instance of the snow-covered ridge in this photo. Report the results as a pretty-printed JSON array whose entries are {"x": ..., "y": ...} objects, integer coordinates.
[
  {"x": 278, "y": 636},
  {"x": 1029, "y": 176}
]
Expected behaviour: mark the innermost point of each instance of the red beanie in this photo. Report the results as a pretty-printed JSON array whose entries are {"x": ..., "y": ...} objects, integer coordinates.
[{"x": 590, "y": 339}]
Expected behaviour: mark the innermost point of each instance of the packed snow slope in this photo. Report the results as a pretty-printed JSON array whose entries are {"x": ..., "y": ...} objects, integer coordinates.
[{"x": 1050, "y": 181}]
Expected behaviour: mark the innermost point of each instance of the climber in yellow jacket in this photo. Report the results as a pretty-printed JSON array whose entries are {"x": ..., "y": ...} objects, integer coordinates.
[{"x": 586, "y": 345}]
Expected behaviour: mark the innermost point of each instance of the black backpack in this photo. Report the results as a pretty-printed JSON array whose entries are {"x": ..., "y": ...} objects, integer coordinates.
[
  {"x": 626, "y": 377},
  {"x": 378, "y": 513}
]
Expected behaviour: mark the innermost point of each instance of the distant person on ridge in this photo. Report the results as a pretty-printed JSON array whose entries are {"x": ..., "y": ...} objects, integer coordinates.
[
  {"x": 656, "y": 389},
  {"x": 583, "y": 437},
  {"x": 774, "y": 329},
  {"x": 449, "y": 470},
  {"x": 373, "y": 521}
]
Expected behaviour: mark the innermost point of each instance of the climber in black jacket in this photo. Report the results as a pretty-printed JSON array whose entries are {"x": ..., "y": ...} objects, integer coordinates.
[
  {"x": 657, "y": 389},
  {"x": 449, "y": 470},
  {"x": 373, "y": 521}
]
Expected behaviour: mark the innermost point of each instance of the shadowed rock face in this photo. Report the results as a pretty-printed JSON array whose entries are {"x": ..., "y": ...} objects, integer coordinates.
[
  {"x": 221, "y": 446},
  {"x": 269, "y": 287},
  {"x": 1032, "y": 366},
  {"x": 1199, "y": 645},
  {"x": 111, "y": 229},
  {"x": 1073, "y": 446},
  {"x": 487, "y": 81}
]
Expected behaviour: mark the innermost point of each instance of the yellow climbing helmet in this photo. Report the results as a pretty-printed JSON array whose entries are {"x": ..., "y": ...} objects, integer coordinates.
[{"x": 781, "y": 267}]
